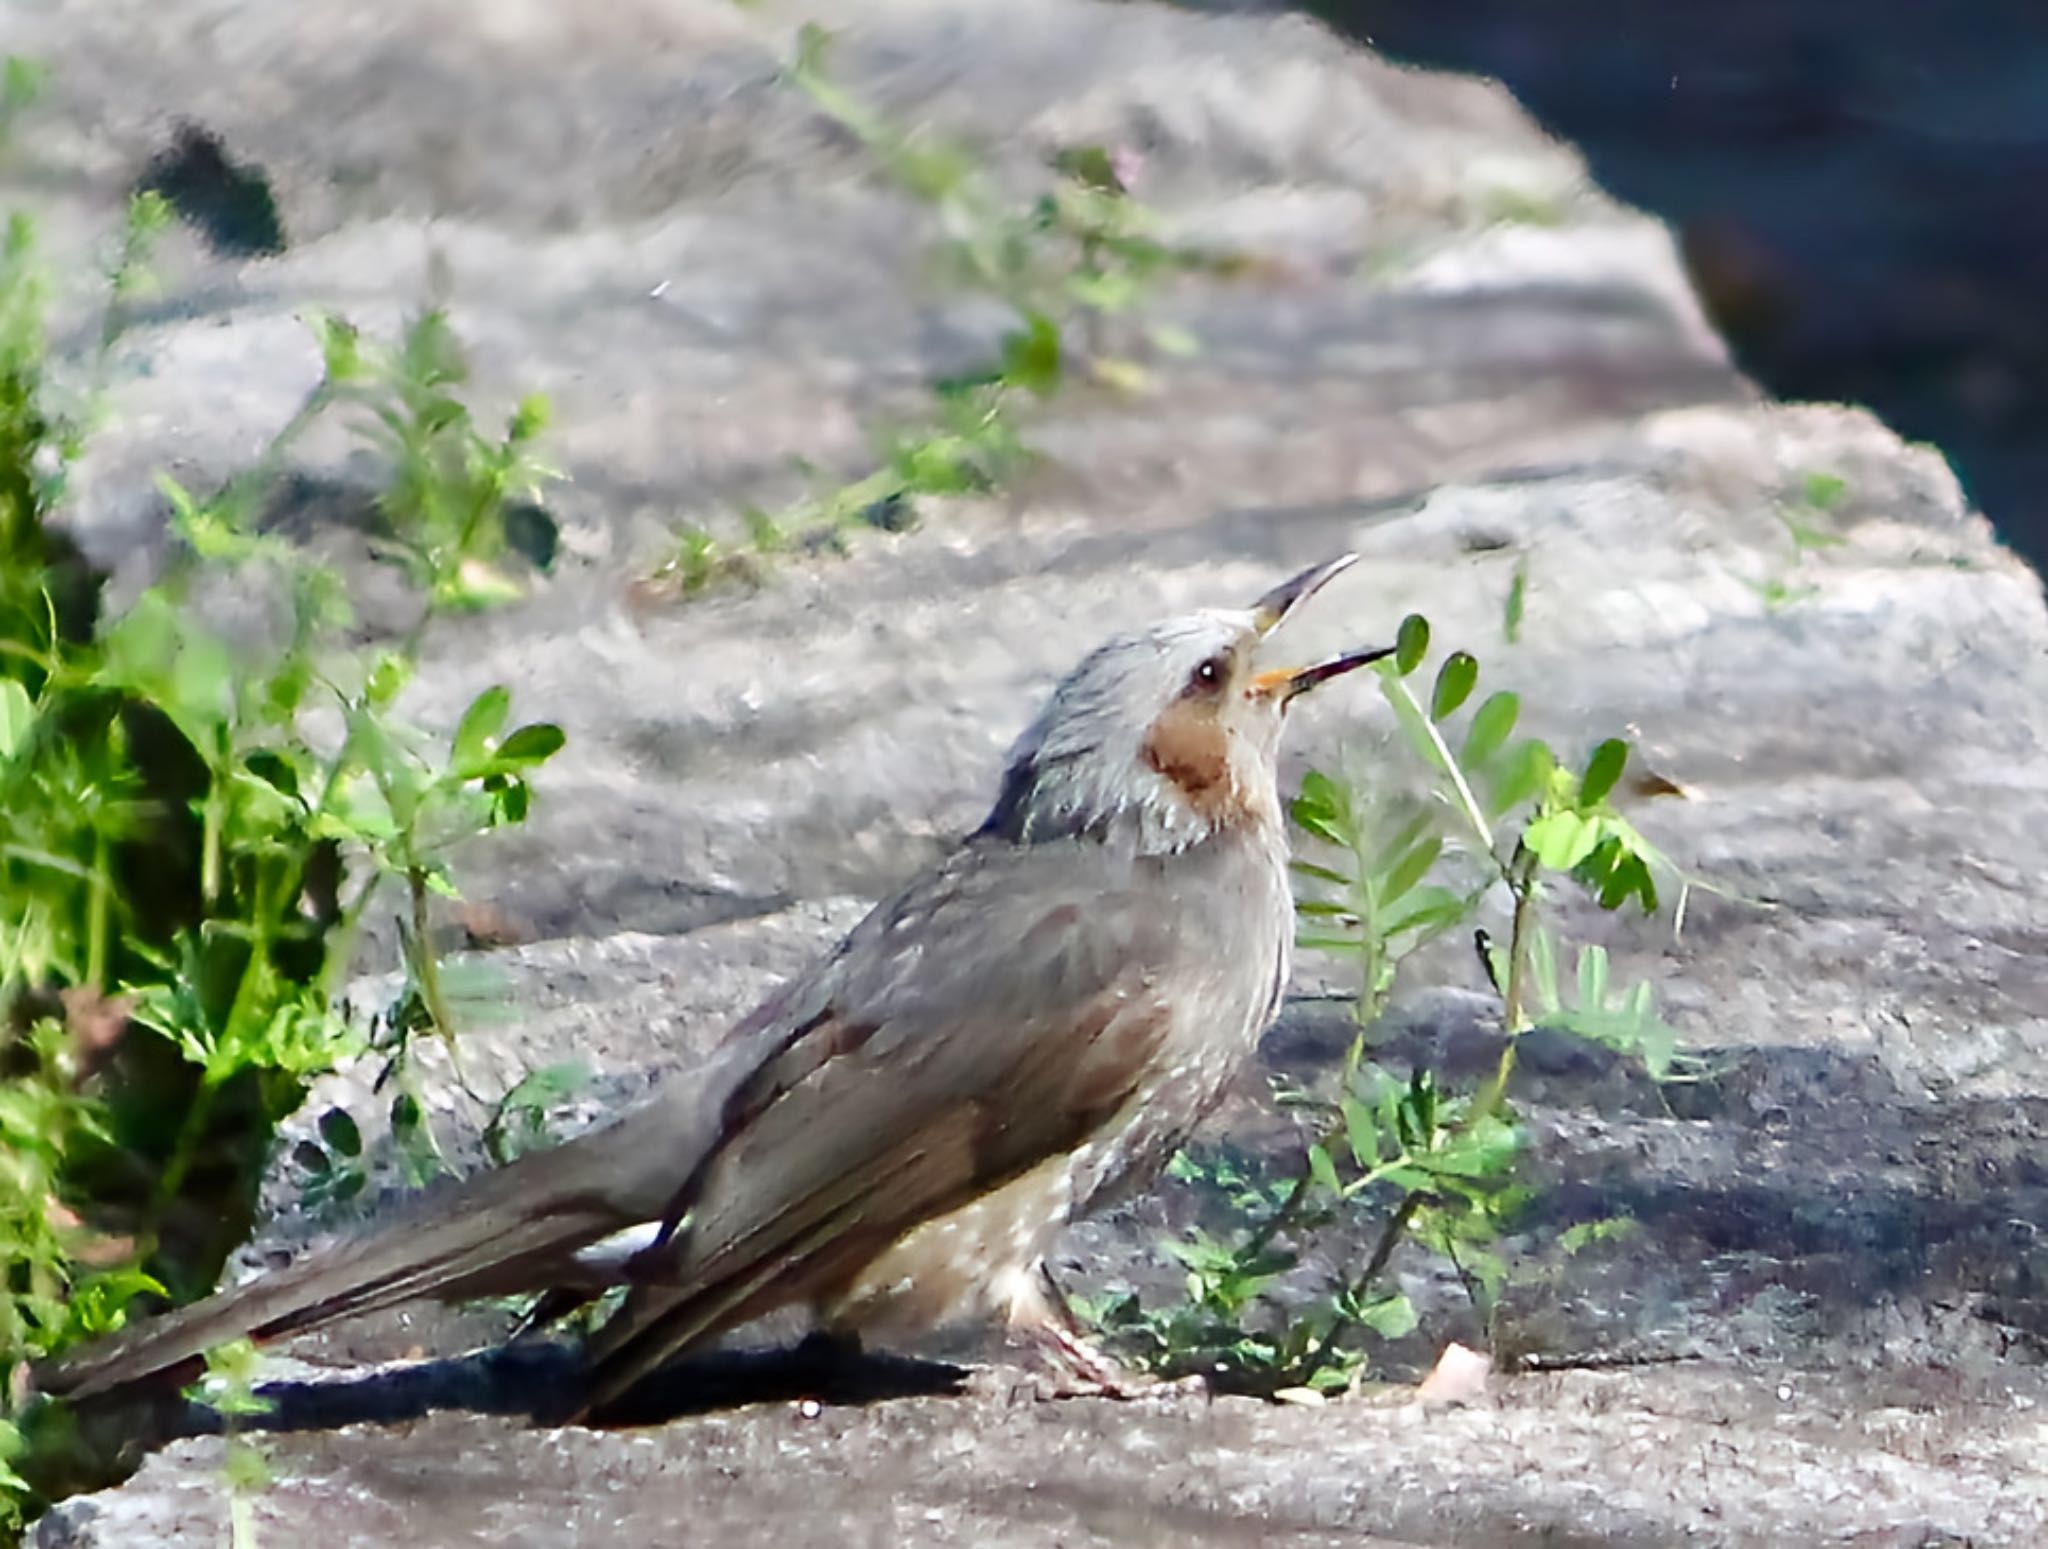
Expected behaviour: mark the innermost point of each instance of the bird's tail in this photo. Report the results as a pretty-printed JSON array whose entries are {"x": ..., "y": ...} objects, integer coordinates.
[{"x": 511, "y": 1230}]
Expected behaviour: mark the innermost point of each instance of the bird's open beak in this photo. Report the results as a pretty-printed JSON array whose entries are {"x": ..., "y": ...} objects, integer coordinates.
[
  {"x": 1287, "y": 683},
  {"x": 1283, "y": 599}
]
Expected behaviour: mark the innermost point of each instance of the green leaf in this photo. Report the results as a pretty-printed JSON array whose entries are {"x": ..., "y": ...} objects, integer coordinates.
[
  {"x": 202, "y": 683},
  {"x": 1527, "y": 770},
  {"x": 16, "y": 713},
  {"x": 1031, "y": 356},
  {"x": 1401, "y": 840},
  {"x": 1325, "y": 792},
  {"x": 529, "y": 419},
  {"x": 1518, "y": 593},
  {"x": 532, "y": 744},
  {"x": 388, "y": 676},
  {"x": 1411, "y": 644},
  {"x": 1391, "y": 1317},
  {"x": 1492, "y": 723},
  {"x": 1824, "y": 491},
  {"x": 1324, "y": 1170},
  {"x": 509, "y": 799},
  {"x": 1361, "y": 1132},
  {"x": 1411, "y": 869},
  {"x": 1592, "y": 978},
  {"x": 1425, "y": 909},
  {"x": 1320, "y": 873},
  {"x": 1315, "y": 820},
  {"x": 1542, "y": 962},
  {"x": 1341, "y": 946},
  {"x": 1603, "y": 770},
  {"x": 340, "y": 1133},
  {"x": 1454, "y": 684},
  {"x": 340, "y": 347},
  {"x": 1483, "y": 1152},
  {"x": 470, "y": 750},
  {"x": 1560, "y": 840}
]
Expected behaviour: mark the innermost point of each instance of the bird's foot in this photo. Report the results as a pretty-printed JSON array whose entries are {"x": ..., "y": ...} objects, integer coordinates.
[{"x": 1050, "y": 1360}]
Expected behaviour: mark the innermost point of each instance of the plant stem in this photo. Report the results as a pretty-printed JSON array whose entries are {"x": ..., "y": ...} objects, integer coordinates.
[
  {"x": 1467, "y": 802},
  {"x": 96, "y": 923},
  {"x": 1514, "y": 1018},
  {"x": 426, "y": 964},
  {"x": 1382, "y": 1253}
]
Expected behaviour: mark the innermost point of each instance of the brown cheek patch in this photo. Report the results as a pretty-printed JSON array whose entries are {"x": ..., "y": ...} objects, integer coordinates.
[{"x": 1189, "y": 748}]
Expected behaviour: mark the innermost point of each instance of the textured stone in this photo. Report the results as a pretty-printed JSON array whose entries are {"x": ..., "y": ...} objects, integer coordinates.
[{"x": 631, "y": 214}]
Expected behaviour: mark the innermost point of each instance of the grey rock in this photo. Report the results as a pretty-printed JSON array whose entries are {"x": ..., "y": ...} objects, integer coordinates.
[{"x": 1828, "y": 1321}]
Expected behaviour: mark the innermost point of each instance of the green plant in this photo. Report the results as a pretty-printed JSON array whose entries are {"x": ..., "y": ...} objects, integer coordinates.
[
  {"x": 198, "y": 822},
  {"x": 229, "y": 1390},
  {"x": 1070, "y": 264},
  {"x": 1384, "y": 875},
  {"x": 1803, "y": 517}
]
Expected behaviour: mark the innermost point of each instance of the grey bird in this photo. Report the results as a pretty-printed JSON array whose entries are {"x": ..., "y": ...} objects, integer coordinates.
[{"x": 894, "y": 1138}]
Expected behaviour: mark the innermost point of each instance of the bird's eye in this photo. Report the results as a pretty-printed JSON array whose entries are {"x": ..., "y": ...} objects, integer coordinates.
[{"x": 1210, "y": 674}]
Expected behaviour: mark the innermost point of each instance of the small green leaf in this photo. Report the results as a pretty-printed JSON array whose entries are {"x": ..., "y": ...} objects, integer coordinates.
[
  {"x": 1391, "y": 1317},
  {"x": 1492, "y": 723},
  {"x": 1603, "y": 769},
  {"x": 1401, "y": 840},
  {"x": 1340, "y": 946},
  {"x": 1454, "y": 683},
  {"x": 1092, "y": 166},
  {"x": 16, "y": 712},
  {"x": 529, "y": 419},
  {"x": 1542, "y": 962},
  {"x": 1361, "y": 1132},
  {"x": 470, "y": 748},
  {"x": 1413, "y": 867},
  {"x": 1324, "y": 1170},
  {"x": 1429, "y": 908},
  {"x": 1528, "y": 768},
  {"x": 1411, "y": 644},
  {"x": 532, "y": 744},
  {"x": 1593, "y": 978},
  {"x": 340, "y": 1133},
  {"x": 1312, "y": 819},
  {"x": 1824, "y": 491},
  {"x": 1319, "y": 873},
  {"x": 1560, "y": 840},
  {"x": 387, "y": 678},
  {"x": 340, "y": 347},
  {"x": 1518, "y": 593},
  {"x": 1031, "y": 356},
  {"x": 510, "y": 800}
]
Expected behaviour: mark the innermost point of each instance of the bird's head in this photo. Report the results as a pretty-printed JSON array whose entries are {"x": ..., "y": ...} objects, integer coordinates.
[{"x": 1170, "y": 734}]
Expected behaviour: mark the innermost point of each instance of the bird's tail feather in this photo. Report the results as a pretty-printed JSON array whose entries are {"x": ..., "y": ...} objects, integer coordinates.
[{"x": 498, "y": 1234}]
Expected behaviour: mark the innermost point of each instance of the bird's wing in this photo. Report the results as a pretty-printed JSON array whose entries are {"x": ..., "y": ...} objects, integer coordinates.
[{"x": 998, "y": 1012}]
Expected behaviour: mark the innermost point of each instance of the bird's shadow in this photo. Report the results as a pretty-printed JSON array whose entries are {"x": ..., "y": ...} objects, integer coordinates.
[{"x": 544, "y": 1382}]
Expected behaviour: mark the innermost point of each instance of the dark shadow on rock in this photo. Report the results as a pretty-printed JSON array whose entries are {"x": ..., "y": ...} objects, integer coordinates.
[
  {"x": 544, "y": 1382},
  {"x": 228, "y": 203},
  {"x": 1777, "y": 1192}
]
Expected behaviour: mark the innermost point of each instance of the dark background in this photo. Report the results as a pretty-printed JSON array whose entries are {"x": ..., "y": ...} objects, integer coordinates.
[{"x": 1861, "y": 190}]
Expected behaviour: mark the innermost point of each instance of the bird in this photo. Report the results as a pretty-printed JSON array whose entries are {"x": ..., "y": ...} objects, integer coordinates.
[{"x": 893, "y": 1139}]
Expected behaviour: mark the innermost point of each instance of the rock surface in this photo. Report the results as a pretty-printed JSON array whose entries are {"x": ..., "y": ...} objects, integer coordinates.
[{"x": 1828, "y": 1324}]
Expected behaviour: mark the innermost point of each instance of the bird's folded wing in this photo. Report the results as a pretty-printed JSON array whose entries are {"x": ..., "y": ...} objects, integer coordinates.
[{"x": 1000, "y": 1012}]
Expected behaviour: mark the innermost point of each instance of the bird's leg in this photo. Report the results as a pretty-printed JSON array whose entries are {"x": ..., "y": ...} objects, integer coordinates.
[{"x": 1053, "y": 1346}]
